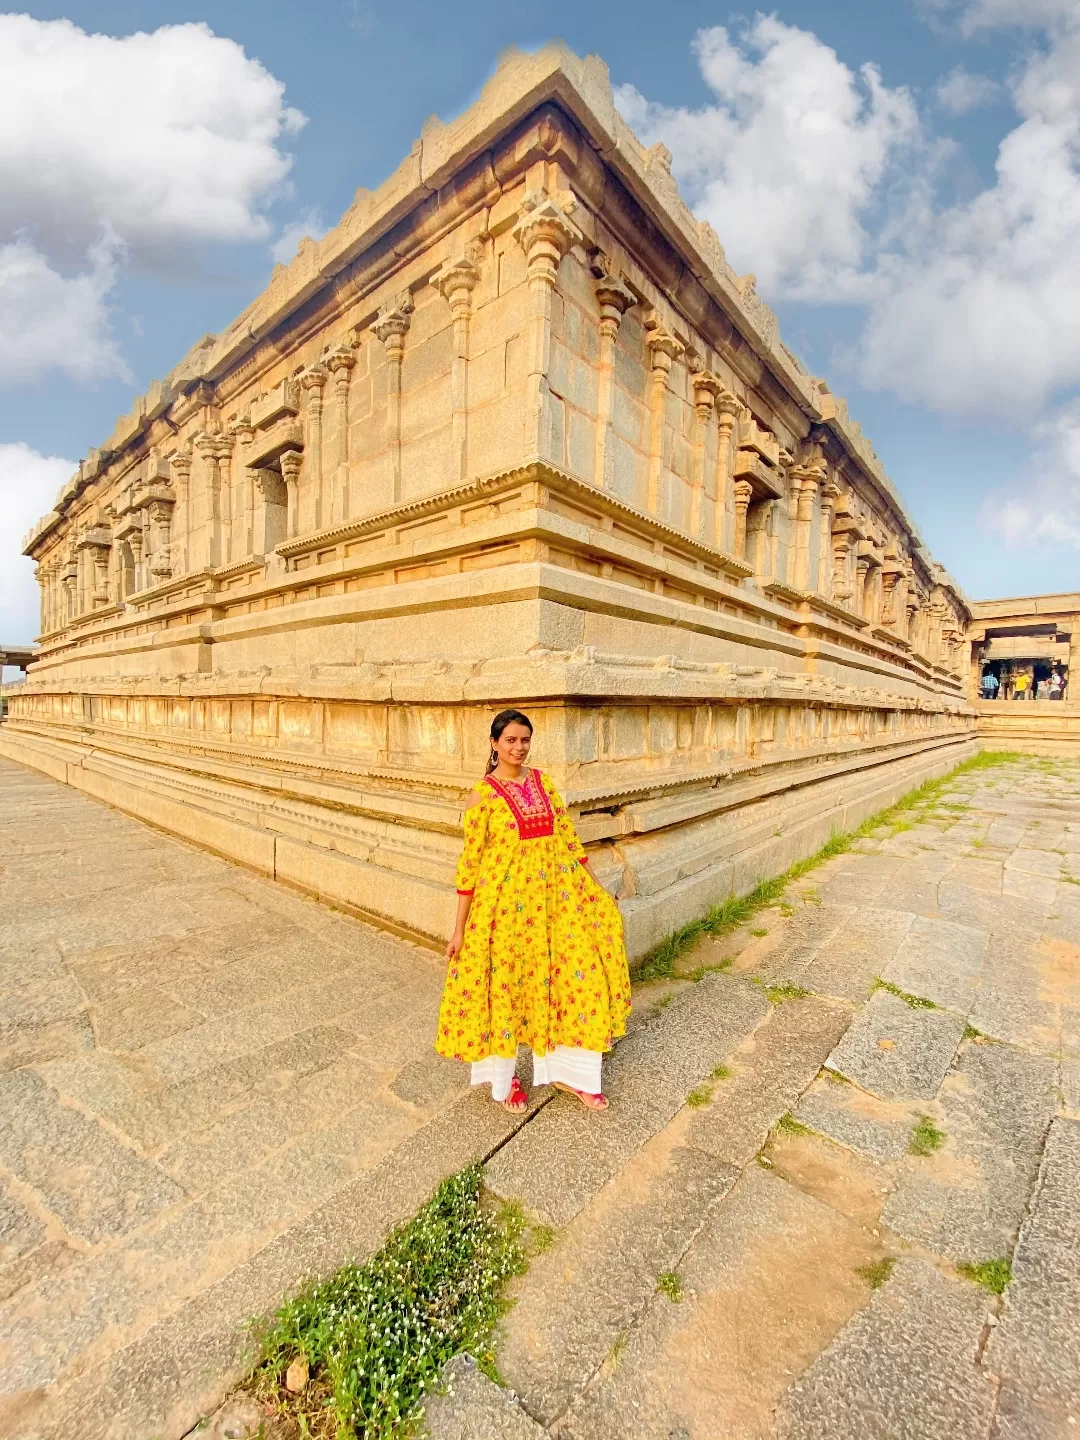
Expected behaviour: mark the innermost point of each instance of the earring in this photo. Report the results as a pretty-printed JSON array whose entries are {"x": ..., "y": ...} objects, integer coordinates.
[{"x": 494, "y": 757}]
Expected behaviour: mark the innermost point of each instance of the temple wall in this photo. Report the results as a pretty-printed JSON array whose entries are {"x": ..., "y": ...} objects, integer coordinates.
[{"x": 513, "y": 433}]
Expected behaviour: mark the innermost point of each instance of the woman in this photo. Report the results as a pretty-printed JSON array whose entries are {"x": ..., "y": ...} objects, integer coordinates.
[{"x": 537, "y": 952}]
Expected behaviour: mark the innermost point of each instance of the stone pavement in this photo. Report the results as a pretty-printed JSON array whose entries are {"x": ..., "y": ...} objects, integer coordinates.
[
  {"x": 776, "y": 1258},
  {"x": 212, "y": 1088}
]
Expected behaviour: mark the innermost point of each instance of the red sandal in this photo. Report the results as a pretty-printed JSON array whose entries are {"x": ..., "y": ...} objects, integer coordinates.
[
  {"x": 517, "y": 1102},
  {"x": 591, "y": 1102}
]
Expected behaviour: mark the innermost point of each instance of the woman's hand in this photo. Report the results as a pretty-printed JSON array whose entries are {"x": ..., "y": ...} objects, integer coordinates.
[{"x": 453, "y": 949}]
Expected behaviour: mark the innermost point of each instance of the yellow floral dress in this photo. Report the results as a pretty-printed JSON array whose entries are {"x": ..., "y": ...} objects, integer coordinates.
[{"x": 543, "y": 960}]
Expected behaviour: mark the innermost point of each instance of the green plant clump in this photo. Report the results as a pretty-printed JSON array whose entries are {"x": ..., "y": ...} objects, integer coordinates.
[
  {"x": 738, "y": 910},
  {"x": 788, "y": 1125},
  {"x": 915, "y": 1001},
  {"x": 699, "y": 1097},
  {"x": 877, "y": 1272},
  {"x": 377, "y": 1336},
  {"x": 926, "y": 1137},
  {"x": 992, "y": 1275},
  {"x": 670, "y": 1284}
]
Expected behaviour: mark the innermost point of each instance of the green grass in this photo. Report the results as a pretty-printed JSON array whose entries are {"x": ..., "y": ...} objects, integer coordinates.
[
  {"x": 915, "y": 1001},
  {"x": 925, "y": 1137},
  {"x": 722, "y": 1072},
  {"x": 541, "y": 1238},
  {"x": 758, "y": 931},
  {"x": 777, "y": 994},
  {"x": 699, "y": 1096},
  {"x": 740, "y": 909},
  {"x": 670, "y": 1284},
  {"x": 788, "y": 1125},
  {"x": 970, "y": 1033},
  {"x": 992, "y": 1275},
  {"x": 376, "y": 1336},
  {"x": 876, "y": 1273}
]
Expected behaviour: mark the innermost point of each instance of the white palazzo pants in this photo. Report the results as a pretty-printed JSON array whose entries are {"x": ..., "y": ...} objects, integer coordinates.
[{"x": 565, "y": 1065}]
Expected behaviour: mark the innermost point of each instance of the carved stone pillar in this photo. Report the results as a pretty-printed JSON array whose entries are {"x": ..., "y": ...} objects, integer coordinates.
[
  {"x": 862, "y": 569},
  {"x": 743, "y": 491},
  {"x": 340, "y": 363},
  {"x": 760, "y": 522},
  {"x": 664, "y": 349},
  {"x": 830, "y": 494},
  {"x": 843, "y": 587},
  {"x": 181, "y": 472},
  {"x": 706, "y": 387},
  {"x": 291, "y": 464},
  {"x": 455, "y": 282},
  {"x": 211, "y": 548},
  {"x": 68, "y": 580},
  {"x": 614, "y": 300},
  {"x": 243, "y": 539},
  {"x": 160, "y": 513},
  {"x": 314, "y": 505},
  {"x": 391, "y": 328},
  {"x": 545, "y": 232},
  {"x": 808, "y": 478},
  {"x": 728, "y": 410}
]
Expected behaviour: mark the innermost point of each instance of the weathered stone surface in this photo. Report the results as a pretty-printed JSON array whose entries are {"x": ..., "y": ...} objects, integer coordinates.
[
  {"x": 19, "y": 1230},
  {"x": 896, "y": 1051},
  {"x": 849, "y": 1116},
  {"x": 771, "y": 1070},
  {"x": 905, "y": 1366},
  {"x": 601, "y": 1273},
  {"x": 475, "y": 1408},
  {"x": 939, "y": 961},
  {"x": 967, "y": 1201},
  {"x": 560, "y": 1161},
  {"x": 1036, "y": 1348},
  {"x": 98, "y": 1187},
  {"x": 849, "y": 962}
]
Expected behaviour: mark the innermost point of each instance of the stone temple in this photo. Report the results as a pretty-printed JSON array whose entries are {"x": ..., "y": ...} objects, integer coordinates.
[{"x": 513, "y": 433}]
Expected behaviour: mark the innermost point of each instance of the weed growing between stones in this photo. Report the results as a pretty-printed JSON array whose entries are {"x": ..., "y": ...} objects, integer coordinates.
[
  {"x": 699, "y": 1096},
  {"x": 738, "y": 909},
  {"x": 376, "y": 1336},
  {"x": 722, "y": 1072},
  {"x": 876, "y": 1273},
  {"x": 915, "y": 1001},
  {"x": 925, "y": 1137},
  {"x": 777, "y": 994},
  {"x": 992, "y": 1275},
  {"x": 668, "y": 1283},
  {"x": 788, "y": 1125}
]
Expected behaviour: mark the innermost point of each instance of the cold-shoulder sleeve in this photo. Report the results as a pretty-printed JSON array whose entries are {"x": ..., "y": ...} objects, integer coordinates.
[
  {"x": 564, "y": 826},
  {"x": 475, "y": 824}
]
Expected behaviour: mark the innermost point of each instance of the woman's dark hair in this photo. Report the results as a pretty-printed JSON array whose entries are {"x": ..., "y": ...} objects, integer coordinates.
[{"x": 499, "y": 724}]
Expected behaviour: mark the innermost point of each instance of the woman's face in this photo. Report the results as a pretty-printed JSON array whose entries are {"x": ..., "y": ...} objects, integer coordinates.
[{"x": 512, "y": 746}]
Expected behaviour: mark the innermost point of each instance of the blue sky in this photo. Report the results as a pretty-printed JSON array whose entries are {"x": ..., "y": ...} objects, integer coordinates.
[{"x": 932, "y": 286}]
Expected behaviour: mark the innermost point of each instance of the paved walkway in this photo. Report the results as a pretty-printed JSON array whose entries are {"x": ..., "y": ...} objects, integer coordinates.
[
  {"x": 211, "y": 1088},
  {"x": 772, "y": 1259}
]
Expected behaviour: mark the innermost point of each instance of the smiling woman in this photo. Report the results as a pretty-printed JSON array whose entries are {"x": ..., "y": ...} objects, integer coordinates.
[{"x": 537, "y": 954}]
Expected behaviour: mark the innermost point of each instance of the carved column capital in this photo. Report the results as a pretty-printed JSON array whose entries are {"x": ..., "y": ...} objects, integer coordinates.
[
  {"x": 181, "y": 465},
  {"x": 663, "y": 346},
  {"x": 393, "y": 321},
  {"x": 339, "y": 362},
  {"x": 545, "y": 232},
  {"x": 614, "y": 300},
  {"x": 291, "y": 462},
  {"x": 313, "y": 379},
  {"x": 456, "y": 281},
  {"x": 707, "y": 389}
]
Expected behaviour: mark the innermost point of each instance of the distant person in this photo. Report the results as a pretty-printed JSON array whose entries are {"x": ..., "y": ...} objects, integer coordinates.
[
  {"x": 1020, "y": 686},
  {"x": 990, "y": 685},
  {"x": 1057, "y": 684}
]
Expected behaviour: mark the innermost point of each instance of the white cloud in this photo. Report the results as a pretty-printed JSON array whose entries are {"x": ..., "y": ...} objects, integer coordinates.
[
  {"x": 48, "y": 320},
  {"x": 308, "y": 222},
  {"x": 989, "y": 14},
  {"x": 789, "y": 161},
  {"x": 1046, "y": 506},
  {"x": 160, "y": 139},
  {"x": 28, "y": 486},
  {"x": 961, "y": 92}
]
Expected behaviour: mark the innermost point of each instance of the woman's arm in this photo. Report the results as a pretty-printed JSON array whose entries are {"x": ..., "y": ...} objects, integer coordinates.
[{"x": 464, "y": 904}]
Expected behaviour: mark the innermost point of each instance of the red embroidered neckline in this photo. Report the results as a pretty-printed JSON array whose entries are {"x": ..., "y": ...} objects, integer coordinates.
[{"x": 528, "y": 803}]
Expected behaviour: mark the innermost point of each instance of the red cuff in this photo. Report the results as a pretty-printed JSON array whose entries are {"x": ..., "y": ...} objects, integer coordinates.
[{"x": 466, "y": 892}]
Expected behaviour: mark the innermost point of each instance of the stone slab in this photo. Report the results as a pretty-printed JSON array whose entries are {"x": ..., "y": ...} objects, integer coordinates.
[
  {"x": 771, "y": 1070},
  {"x": 1036, "y": 1348},
  {"x": 966, "y": 1201},
  {"x": 560, "y": 1161},
  {"x": 849, "y": 1116},
  {"x": 97, "y": 1187},
  {"x": 903, "y": 1367},
  {"x": 473, "y": 1407},
  {"x": 939, "y": 961},
  {"x": 898, "y": 1052},
  {"x": 850, "y": 961},
  {"x": 601, "y": 1272}
]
